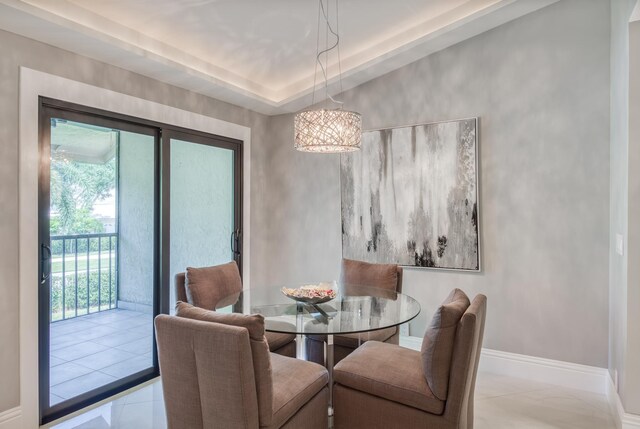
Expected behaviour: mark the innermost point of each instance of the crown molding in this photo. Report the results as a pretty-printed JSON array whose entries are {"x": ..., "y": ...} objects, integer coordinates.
[{"x": 89, "y": 34}]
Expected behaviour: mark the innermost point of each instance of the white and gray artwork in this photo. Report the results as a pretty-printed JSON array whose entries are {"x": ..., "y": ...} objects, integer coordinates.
[{"x": 410, "y": 197}]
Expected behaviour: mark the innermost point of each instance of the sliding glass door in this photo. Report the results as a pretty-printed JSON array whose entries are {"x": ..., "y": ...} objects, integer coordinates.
[
  {"x": 98, "y": 234},
  {"x": 205, "y": 203},
  {"x": 124, "y": 204}
]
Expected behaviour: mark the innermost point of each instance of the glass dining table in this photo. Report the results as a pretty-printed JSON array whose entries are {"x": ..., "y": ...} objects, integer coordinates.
[{"x": 354, "y": 310}]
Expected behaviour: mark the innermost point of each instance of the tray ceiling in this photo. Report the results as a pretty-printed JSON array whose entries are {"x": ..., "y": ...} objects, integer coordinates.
[{"x": 254, "y": 53}]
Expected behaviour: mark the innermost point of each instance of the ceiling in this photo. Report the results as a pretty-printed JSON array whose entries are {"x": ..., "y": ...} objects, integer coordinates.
[
  {"x": 259, "y": 54},
  {"x": 74, "y": 141}
]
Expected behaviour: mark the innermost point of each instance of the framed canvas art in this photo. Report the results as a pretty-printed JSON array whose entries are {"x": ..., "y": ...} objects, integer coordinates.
[{"x": 410, "y": 196}]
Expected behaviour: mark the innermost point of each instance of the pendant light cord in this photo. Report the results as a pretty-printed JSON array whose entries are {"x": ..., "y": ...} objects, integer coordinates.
[{"x": 326, "y": 50}]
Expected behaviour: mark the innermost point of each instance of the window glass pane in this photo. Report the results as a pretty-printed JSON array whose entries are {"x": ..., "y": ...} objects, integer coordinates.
[
  {"x": 202, "y": 206},
  {"x": 102, "y": 240}
]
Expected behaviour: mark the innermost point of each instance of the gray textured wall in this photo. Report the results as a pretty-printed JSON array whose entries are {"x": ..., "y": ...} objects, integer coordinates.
[
  {"x": 16, "y": 51},
  {"x": 136, "y": 208},
  {"x": 540, "y": 85}
]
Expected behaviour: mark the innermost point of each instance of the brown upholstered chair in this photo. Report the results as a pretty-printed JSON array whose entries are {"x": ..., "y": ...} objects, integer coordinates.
[
  {"x": 220, "y": 286},
  {"x": 354, "y": 274},
  {"x": 219, "y": 373},
  {"x": 383, "y": 385}
]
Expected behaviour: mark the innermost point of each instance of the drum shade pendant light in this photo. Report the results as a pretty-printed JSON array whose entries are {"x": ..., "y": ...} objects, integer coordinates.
[{"x": 327, "y": 130}]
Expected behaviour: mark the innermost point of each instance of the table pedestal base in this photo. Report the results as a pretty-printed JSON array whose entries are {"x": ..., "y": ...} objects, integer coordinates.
[{"x": 328, "y": 363}]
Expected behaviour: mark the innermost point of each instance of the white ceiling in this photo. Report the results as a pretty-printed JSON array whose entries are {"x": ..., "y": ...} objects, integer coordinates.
[{"x": 259, "y": 54}]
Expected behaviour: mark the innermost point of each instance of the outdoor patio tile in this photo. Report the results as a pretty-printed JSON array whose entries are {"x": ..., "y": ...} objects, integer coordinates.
[
  {"x": 79, "y": 325},
  {"x": 144, "y": 316},
  {"x": 54, "y": 361},
  {"x": 70, "y": 321},
  {"x": 67, "y": 371},
  {"x": 130, "y": 322},
  {"x": 78, "y": 351},
  {"x": 84, "y": 349},
  {"x": 128, "y": 367},
  {"x": 55, "y": 339},
  {"x": 144, "y": 330},
  {"x": 105, "y": 358},
  {"x": 119, "y": 338},
  {"x": 81, "y": 384},
  {"x": 96, "y": 332},
  {"x": 140, "y": 346},
  {"x": 107, "y": 316},
  {"x": 63, "y": 341},
  {"x": 54, "y": 399}
]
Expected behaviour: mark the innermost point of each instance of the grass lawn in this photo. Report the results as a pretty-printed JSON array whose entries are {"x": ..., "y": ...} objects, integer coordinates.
[{"x": 56, "y": 262}]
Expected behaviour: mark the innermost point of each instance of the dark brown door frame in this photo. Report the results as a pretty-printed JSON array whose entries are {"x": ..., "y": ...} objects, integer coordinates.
[
  {"x": 163, "y": 133},
  {"x": 208, "y": 140}
]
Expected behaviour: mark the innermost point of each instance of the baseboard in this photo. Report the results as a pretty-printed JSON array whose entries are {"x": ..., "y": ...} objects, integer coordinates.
[
  {"x": 411, "y": 342},
  {"x": 565, "y": 374},
  {"x": 134, "y": 306},
  {"x": 623, "y": 419},
  {"x": 11, "y": 419}
]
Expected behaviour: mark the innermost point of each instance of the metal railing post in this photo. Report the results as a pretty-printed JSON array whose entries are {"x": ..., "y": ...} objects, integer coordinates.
[
  {"x": 110, "y": 298},
  {"x": 75, "y": 251},
  {"x": 99, "y": 273},
  {"x": 88, "y": 274},
  {"x": 75, "y": 239},
  {"x": 64, "y": 279}
]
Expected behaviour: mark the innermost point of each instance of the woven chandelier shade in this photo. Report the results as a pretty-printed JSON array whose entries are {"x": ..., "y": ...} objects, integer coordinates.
[{"x": 328, "y": 131}]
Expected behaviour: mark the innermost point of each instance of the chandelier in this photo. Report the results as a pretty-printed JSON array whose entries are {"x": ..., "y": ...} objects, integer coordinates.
[{"x": 327, "y": 130}]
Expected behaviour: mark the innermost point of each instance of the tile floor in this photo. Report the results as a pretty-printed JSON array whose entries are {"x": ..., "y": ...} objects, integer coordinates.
[
  {"x": 501, "y": 403},
  {"x": 91, "y": 351}
]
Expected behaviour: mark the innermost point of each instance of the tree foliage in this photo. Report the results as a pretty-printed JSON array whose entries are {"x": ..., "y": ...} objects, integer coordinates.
[{"x": 75, "y": 188}]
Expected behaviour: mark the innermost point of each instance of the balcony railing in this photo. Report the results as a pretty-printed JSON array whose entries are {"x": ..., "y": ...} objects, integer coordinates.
[{"x": 84, "y": 274}]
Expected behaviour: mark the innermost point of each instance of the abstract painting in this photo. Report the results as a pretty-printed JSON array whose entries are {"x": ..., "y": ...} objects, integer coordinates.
[{"x": 410, "y": 197}]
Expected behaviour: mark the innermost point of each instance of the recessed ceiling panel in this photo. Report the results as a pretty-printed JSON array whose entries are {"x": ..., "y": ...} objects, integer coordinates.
[{"x": 258, "y": 54}]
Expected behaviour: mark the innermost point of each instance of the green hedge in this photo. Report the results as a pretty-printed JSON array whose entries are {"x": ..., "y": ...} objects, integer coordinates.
[{"x": 106, "y": 301}]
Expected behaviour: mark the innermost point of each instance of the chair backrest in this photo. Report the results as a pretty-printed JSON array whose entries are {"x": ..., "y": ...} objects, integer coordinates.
[
  {"x": 181, "y": 291},
  {"x": 464, "y": 364},
  {"x": 217, "y": 286},
  {"x": 207, "y": 374},
  {"x": 359, "y": 273},
  {"x": 399, "y": 271}
]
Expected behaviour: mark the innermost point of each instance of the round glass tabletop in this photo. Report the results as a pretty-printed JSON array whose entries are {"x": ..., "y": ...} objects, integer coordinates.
[{"x": 354, "y": 309}]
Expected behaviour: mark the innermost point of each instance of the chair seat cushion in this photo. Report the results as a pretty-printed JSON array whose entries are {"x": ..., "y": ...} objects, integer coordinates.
[
  {"x": 390, "y": 372},
  {"x": 277, "y": 340},
  {"x": 351, "y": 340},
  {"x": 295, "y": 382}
]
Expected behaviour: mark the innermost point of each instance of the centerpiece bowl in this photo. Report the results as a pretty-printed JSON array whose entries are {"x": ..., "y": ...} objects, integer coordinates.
[{"x": 311, "y": 294}]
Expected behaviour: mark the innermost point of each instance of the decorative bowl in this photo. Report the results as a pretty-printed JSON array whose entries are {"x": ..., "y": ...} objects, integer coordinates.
[{"x": 311, "y": 294}]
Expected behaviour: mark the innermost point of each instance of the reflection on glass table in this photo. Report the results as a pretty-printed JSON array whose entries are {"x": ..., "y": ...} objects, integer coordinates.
[{"x": 355, "y": 309}]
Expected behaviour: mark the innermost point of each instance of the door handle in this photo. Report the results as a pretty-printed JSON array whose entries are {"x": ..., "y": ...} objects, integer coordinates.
[
  {"x": 45, "y": 270},
  {"x": 238, "y": 243},
  {"x": 235, "y": 242}
]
